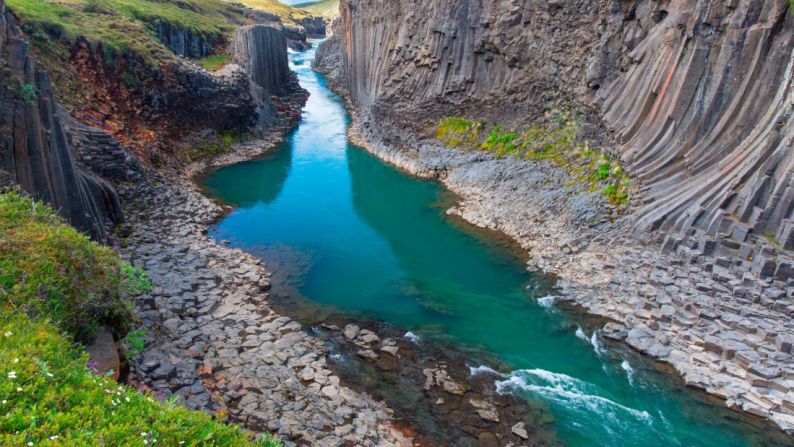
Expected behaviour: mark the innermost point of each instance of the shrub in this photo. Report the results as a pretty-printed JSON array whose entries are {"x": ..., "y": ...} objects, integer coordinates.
[
  {"x": 134, "y": 342},
  {"x": 133, "y": 280},
  {"x": 604, "y": 170},
  {"x": 29, "y": 93},
  {"x": 499, "y": 142}
]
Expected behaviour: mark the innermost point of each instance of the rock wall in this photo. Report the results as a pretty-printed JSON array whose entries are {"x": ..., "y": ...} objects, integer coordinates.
[
  {"x": 702, "y": 115},
  {"x": 500, "y": 59},
  {"x": 261, "y": 51},
  {"x": 314, "y": 25},
  {"x": 35, "y": 149},
  {"x": 150, "y": 108},
  {"x": 695, "y": 95},
  {"x": 184, "y": 42}
]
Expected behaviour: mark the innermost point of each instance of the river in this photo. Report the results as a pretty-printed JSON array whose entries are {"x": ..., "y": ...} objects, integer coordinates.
[{"x": 347, "y": 234}]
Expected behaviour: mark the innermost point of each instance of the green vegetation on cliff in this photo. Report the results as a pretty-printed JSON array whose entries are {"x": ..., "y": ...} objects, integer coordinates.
[
  {"x": 122, "y": 26},
  {"x": 57, "y": 287},
  {"x": 214, "y": 62},
  {"x": 557, "y": 141},
  {"x": 285, "y": 12},
  {"x": 325, "y": 8}
]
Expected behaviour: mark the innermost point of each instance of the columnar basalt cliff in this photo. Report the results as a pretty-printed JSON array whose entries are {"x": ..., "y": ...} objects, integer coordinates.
[
  {"x": 508, "y": 59},
  {"x": 36, "y": 151},
  {"x": 694, "y": 96},
  {"x": 56, "y": 157},
  {"x": 184, "y": 42},
  {"x": 702, "y": 115},
  {"x": 698, "y": 94},
  {"x": 261, "y": 52}
]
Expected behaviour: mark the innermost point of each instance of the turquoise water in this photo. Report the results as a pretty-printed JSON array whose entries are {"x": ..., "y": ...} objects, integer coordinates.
[{"x": 362, "y": 238}]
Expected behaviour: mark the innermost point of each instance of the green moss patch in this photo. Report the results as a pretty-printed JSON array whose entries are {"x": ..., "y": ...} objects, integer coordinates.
[
  {"x": 215, "y": 62},
  {"x": 555, "y": 140}
]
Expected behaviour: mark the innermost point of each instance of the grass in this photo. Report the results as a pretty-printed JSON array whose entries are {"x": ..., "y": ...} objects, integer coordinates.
[
  {"x": 285, "y": 12},
  {"x": 456, "y": 132},
  {"x": 57, "y": 286},
  {"x": 215, "y": 62},
  {"x": 325, "y": 8},
  {"x": 50, "y": 270},
  {"x": 555, "y": 141},
  {"x": 123, "y": 26},
  {"x": 209, "y": 147}
]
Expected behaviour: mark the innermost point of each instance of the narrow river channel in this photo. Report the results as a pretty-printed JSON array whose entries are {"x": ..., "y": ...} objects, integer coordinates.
[{"x": 353, "y": 236}]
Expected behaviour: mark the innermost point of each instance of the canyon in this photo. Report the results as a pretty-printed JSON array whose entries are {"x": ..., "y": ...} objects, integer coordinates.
[
  {"x": 673, "y": 89},
  {"x": 691, "y": 98}
]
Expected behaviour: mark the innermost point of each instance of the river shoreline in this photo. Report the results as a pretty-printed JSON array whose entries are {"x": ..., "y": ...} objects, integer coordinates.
[
  {"x": 566, "y": 233},
  {"x": 212, "y": 340}
]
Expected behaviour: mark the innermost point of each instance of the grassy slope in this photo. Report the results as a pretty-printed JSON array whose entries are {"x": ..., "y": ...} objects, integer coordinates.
[
  {"x": 56, "y": 285},
  {"x": 286, "y": 12},
  {"x": 325, "y": 8},
  {"x": 124, "y": 25}
]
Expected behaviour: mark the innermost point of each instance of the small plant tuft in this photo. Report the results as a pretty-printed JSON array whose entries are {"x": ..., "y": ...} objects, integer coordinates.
[
  {"x": 133, "y": 280},
  {"x": 28, "y": 93},
  {"x": 134, "y": 343},
  {"x": 604, "y": 171}
]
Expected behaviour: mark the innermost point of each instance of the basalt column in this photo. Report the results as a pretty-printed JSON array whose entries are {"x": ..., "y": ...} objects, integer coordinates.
[
  {"x": 35, "y": 151},
  {"x": 261, "y": 50}
]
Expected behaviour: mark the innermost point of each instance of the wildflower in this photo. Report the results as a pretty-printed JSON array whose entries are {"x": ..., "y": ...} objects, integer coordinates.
[
  {"x": 16, "y": 360},
  {"x": 145, "y": 442},
  {"x": 127, "y": 398},
  {"x": 53, "y": 437},
  {"x": 12, "y": 375},
  {"x": 8, "y": 333},
  {"x": 143, "y": 433},
  {"x": 19, "y": 389},
  {"x": 30, "y": 443},
  {"x": 5, "y": 401},
  {"x": 49, "y": 375}
]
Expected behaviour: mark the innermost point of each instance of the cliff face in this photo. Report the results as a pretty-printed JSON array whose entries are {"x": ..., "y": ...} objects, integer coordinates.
[
  {"x": 695, "y": 95},
  {"x": 261, "y": 52},
  {"x": 35, "y": 150},
  {"x": 702, "y": 116},
  {"x": 149, "y": 108},
  {"x": 184, "y": 42},
  {"x": 470, "y": 57}
]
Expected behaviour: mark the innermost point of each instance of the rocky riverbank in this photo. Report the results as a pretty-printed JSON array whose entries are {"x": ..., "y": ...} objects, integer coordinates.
[
  {"x": 673, "y": 303},
  {"x": 212, "y": 340}
]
